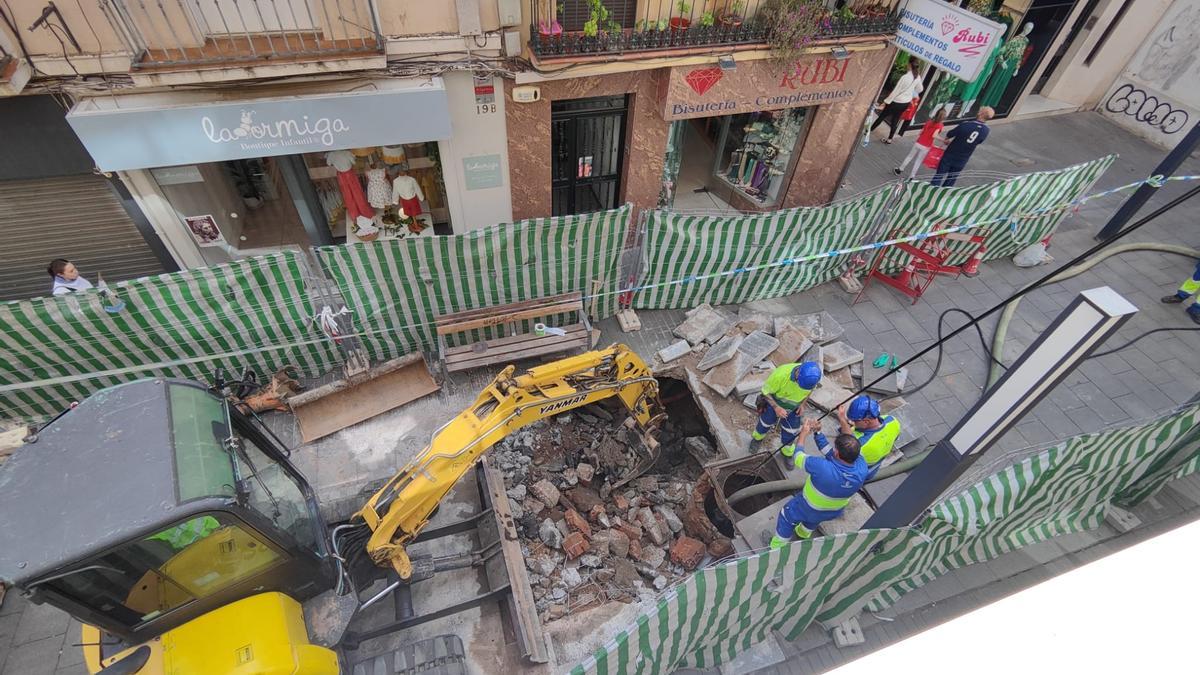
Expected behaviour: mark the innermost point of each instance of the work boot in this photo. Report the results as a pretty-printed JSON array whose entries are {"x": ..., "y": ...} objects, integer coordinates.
[
  {"x": 776, "y": 541},
  {"x": 1194, "y": 312},
  {"x": 1172, "y": 299},
  {"x": 787, "y": 450}
]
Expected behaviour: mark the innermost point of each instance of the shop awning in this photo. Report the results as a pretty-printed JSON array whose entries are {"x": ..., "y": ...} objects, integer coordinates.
[{"x": 141, "y": 131}]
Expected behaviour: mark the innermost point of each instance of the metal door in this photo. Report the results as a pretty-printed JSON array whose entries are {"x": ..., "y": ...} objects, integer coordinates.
[{"x": 587, "y": 153}]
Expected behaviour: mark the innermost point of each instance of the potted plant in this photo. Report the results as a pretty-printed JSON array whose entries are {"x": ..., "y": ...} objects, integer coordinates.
[
  {"x": 682, "y": 22},
  {"x": 707, "y": 20},
  {"x": 551, "y": 27},
  {"x": 791, "y": 25},
  {"x": 733, "y": 14},
  {"x": 599, "y": 19}
]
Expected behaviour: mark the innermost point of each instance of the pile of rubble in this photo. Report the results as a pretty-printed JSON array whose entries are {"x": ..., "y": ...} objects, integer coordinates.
[
  {"x": 737, "y": 352},
  {"x": 594, "y": 530}
]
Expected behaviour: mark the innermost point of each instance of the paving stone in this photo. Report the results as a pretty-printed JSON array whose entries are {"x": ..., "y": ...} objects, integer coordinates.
[
  {"x": 842, "y": 378},
  {"x": 721, "y": 352},
  {"x": 839, "y": 355},
  {"x": 820, "y": 326},
  {"x": 750, "y": 320},
  {"x": 793, "y": 344},
  {"x": 703, "y": 324},
  {"x": 752, "y": 384},
  {"x": 752, "y": 350},
  {"x": 750, "y": 401},
  {"x": 828, "y": 395},
  {"x": 675, "y": 351}
]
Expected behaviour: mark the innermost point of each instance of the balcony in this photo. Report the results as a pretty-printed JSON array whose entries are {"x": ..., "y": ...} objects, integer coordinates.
[
  {"x": 572, "y": 29},
  {"x": 177, "y": 34}
]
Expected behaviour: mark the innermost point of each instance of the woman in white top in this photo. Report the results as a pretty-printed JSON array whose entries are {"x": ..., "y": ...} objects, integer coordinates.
[
  {"x": 66, "y": 277},
  {"x": 908, "y": 87}
]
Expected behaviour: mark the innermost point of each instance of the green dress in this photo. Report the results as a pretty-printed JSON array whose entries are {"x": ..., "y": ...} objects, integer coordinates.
[
  {"x": 971, "y": 91},
  {"x": 1006, "y": 67}
]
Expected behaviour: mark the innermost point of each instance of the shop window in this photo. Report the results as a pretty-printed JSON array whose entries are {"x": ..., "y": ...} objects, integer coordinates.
[{"x": 755, "y": 150}]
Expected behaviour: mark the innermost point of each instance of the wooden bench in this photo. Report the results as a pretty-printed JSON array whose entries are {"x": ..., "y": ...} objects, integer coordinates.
[{"x": 514, "y": 345}]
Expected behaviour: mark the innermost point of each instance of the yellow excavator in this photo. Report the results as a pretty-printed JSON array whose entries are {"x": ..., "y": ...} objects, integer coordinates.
[{"x": 179, "y": 532}]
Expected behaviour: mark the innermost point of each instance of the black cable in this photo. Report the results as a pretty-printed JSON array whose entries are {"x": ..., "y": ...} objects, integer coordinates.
[
  {"x": 938, "y": 364},
  {"x": 1130, "y": 343},
  {"x": 1019, "y": 293}
]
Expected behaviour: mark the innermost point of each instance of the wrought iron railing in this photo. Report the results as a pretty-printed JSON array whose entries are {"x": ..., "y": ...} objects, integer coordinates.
[
  {"x": 581, "y": 27},
  {"x": 166, "y": 33}
]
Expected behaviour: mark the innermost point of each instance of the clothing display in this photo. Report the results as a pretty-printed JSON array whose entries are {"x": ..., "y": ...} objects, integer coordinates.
[
  {"x": 759, "y": 147},
  {"x": 393, "y": 154},
  {"x": 340, "y": 160},
  {"x": 363, "y": 152},
  {"x": 407, "y": 193},
  {"x": 1009, "y": 60},
  {"x": 971, "y": 91},
  {"x": 379, "y": 194},
  {"x": 352, "y": 194}
]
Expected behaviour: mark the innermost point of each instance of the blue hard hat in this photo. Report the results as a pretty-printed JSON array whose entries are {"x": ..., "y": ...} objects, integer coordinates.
[
  {"x": 807, "y": 374},
  {"x": 862, "y": 407}
]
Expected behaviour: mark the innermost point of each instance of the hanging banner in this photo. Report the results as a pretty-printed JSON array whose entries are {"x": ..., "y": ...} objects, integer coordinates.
[{"x": 949, "y": 37}]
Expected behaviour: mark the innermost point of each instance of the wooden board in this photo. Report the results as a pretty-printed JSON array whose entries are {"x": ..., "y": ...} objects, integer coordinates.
[
  {"x": 505, "y": 315},
  {"x": 336, "y": 406},
  {"x": 526, "y": 349},
  {"x": 516, "y": 306},
  {"x": 522, "y": 610}
]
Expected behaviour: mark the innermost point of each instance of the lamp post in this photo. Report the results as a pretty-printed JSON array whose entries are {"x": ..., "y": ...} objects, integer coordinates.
[{"x": 1086, "y": 323}]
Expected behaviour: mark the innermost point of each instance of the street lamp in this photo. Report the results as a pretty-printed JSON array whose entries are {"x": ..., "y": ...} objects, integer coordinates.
[{"x": 1088, "y": 321}]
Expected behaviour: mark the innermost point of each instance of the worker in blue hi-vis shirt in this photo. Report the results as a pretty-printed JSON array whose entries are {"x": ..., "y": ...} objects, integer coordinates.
[
  {"x": 1190, "y": 287},
  {"x": 781, "y": 401},
  {"x": 876, "y": 433},
  {"x": 832, "y": 481}
]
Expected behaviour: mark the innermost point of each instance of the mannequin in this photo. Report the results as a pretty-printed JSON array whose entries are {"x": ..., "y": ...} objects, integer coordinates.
[
  {"x": 378, "y": 193},
  {"x": 407, "y": 193},
  {"x": 1007, "y": 65},
  {"x": 352, "y": 193},
  {"x": 971, "y": 91},
  {"x": 945, "y": 95}
]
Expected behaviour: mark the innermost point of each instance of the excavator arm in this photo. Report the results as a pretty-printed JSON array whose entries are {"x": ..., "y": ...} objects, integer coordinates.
[{"x": 401, "y": 508}]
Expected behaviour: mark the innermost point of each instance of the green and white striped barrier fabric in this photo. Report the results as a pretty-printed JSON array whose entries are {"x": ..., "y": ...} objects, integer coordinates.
[
  {"x": 723, "y": 610},
  {"x": 1016, "y": 212},
  {"x": 250, "y": 313},
  {"x": 397, "y": 288},
  {"x": 678, "y": 246}
]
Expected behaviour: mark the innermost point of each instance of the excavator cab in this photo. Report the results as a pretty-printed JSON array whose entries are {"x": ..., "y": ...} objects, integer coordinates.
[{"x": 152, "y": 504}]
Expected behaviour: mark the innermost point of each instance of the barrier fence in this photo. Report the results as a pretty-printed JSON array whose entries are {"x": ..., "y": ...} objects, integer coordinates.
[
  {"x": 723, "y": 610},
  {"x": 260, "y": 312}
]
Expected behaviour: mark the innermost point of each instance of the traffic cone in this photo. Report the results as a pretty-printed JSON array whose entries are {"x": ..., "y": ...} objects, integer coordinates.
[
  {"x": 905, "y": 276},
  {"x": 971, "y": 267}
]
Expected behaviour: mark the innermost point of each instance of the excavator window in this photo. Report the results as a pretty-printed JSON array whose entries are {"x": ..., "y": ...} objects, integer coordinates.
[{"x": 139, "y": 581}]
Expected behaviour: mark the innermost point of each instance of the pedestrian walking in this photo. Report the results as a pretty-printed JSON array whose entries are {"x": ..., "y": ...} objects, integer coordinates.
[
  {"x": 907, "y": 87},
  {"x": 924, "y": 142},
  {"x": 832, "y": 480},
  {"x": 780, "y": 402},
  {"x": 65, "y": 277},
  {"x": 963, "y": 138},
  {"x": 1190, "y": 287},
  {"x": 876, "y": 434}
]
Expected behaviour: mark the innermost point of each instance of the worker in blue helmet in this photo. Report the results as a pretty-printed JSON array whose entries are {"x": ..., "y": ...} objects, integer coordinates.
[
  {"x": 1190, "y": 288},
  {"x": 876, "y": 434},
  {"x": 832, "y": 480},
  {"x": 783, "y": 395}
]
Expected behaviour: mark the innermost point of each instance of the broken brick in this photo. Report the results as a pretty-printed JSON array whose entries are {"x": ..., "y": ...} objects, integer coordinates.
[
  {"x": 618, "y": 543},
  {"x": 631, "y": 530},
  {"x": 720, "y": 547},
  {"x": 620, "y": 502},
  {"x": 585, "y": 472},
  {"x": 578, "y": 523},
  {"x": 597, "y": 513},
  {"x": 687, "y": 552},
  {"x": 545, "y": 492},
  {"x": 575, "y": 545},
  {"x": 635, "y": 549}
]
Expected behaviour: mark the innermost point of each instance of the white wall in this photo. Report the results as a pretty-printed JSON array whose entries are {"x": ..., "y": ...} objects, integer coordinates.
[
  {"x": 1085, "y": 85},
  {"x": 1158, "y": 95},
  {"x": 476, "y": 135}
]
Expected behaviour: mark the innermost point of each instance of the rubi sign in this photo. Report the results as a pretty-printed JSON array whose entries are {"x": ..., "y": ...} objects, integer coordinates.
[
  {"x": 707, "y": 91},
  {"x": 949, "y": 37}
]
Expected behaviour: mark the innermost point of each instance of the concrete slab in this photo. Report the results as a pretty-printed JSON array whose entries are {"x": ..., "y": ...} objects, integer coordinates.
[
  {"x": 752, "y": 383},
  {"x": 750, "y": 320},
  {"x": 703, "y": 324},
  {"x": 820, "y": 326},
  {"x": 752, "y": 350},
  {"x": 842, "y": 378},
  {"x": 721, "y": 352},
  {"x": 839, "y": 355},
  {"x": 828, "y": 395},
  {"x": 674, "y": 351},
  {"x": 793, "y": 345}
]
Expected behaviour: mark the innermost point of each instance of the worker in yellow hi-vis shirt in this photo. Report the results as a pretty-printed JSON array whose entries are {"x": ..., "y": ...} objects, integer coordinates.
[{"x": 781, "y": 400}]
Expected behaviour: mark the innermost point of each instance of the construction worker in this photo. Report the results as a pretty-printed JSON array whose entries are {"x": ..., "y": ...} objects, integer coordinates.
[
  {"x": 876, "y": 435},
  {"x": 1189, "y": 288},
  {"x": 832, "y": 481},
  {"x": 783, "y": 394}
]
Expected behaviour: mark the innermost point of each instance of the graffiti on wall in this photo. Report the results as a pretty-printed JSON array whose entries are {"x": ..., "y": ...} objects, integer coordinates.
[{"x": 1158, "y": 95}]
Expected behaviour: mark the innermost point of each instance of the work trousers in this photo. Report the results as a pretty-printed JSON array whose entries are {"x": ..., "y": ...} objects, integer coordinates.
[
  {"x": 789, "y": 426},
  {"x": 1189, "y": 288},
  {"x": 798, "y": 519},
  {"x": 947, "y": 171}
]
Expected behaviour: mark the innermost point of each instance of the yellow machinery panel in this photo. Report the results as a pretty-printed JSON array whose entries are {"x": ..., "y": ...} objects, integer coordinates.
[{"x": 260, "y": 635}]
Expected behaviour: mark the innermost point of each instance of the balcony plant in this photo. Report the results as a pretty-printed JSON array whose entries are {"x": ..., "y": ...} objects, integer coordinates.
[
  {"x": 707, "y": 20},
  {"x": 682, "y": 22},
  {"x": 792, "y": 25},
  {"x": 733, "y": 16}
]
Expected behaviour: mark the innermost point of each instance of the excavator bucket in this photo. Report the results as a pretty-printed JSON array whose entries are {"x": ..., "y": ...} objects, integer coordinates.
[{"x": 335, "y": 406}]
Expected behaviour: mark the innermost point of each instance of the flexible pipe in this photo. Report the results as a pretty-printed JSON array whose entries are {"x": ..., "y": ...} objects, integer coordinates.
[
  {"x": 1010, "y": 310},
  {"x": 793, "y": 484}
]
